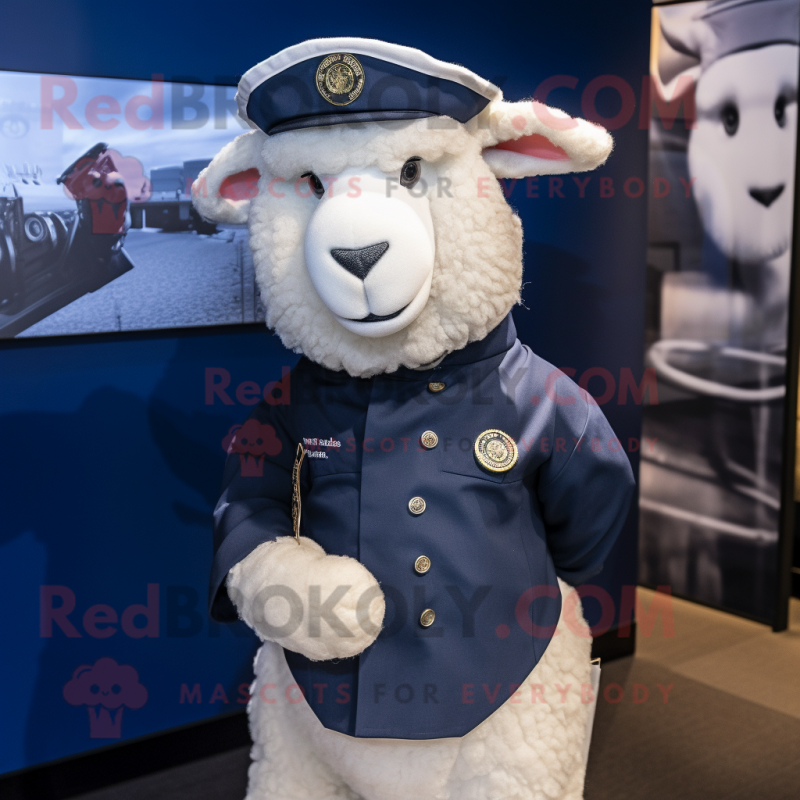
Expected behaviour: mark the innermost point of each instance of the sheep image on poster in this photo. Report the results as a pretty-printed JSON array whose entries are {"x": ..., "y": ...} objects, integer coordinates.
[
  {"x": 720, "y": 264},
  {"x": 393, "y": 527},
  {"x": 742, "y": 150}
]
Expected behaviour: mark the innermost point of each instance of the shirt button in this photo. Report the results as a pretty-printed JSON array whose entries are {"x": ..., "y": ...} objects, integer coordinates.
[
  {"x": 422, "y": 564},
  {"x": 436, "y": 386},
  {"x": 429, "y": 440},
  {"x": 427, "y": 617},
  {"x": 416, "y": 505}
]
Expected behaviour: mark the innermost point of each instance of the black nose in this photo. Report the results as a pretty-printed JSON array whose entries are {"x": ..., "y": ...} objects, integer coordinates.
[
  {"x": 359, "y": 262},
  {"x": 767, "y": 196}
]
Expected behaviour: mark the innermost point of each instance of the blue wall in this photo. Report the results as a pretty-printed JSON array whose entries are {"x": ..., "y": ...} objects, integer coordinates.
[{"x": 111, "y": 455}]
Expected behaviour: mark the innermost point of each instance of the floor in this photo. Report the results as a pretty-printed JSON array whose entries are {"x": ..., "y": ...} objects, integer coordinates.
[
  {"x": 708, "y": 709},
  {"x": 730, "y": 728}
]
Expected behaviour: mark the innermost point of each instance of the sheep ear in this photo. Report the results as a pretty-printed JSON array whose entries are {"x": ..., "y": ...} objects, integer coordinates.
[
  {"x": 224, "y": 189},
  {"x": 529, "y": 138}
]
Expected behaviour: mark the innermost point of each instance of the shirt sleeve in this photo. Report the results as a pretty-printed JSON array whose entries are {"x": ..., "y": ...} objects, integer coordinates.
[
  {"x": 585, "y": 493},
  {"x": 255, "y": 506}
]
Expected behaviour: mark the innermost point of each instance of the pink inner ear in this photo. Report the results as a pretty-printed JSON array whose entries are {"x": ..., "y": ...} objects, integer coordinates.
[
  {"x": 241, "y": 185},
  {"x": 535, "y": 145}
]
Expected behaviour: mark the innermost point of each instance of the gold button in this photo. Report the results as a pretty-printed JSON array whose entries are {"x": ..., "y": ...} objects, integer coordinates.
[
  {"x": 429, "y": 440},
  {"x": 416, "y": 505},
  {"x": 435, "y": 386},
  {"x": 422, "y": 564},
  {"x": 427, "y": 617}
]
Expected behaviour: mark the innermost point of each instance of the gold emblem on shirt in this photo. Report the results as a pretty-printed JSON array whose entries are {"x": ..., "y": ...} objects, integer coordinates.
[
  {"x": 496, "y": 451},
  {"x": 340, "y": 78}
]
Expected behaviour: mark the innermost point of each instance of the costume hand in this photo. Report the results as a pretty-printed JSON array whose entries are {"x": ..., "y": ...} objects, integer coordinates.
[{"x": 318, "y": 605}]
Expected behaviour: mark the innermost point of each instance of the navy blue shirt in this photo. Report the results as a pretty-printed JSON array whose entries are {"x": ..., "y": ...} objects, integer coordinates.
[{"x": 496, "y": 540}]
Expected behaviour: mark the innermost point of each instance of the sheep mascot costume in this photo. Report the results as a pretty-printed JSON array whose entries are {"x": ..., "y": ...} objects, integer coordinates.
[{"x": 402, "y": 526}]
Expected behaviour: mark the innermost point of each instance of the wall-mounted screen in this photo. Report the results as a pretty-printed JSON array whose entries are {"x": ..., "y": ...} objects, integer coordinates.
[{"x": 97, "y": 228}]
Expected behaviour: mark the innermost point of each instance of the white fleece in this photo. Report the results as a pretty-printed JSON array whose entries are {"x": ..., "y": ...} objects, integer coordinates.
[
  {"x": 524, "y": 751},
  {"x": 275, "y": 586},
  {"x": 477, "y": 270}
]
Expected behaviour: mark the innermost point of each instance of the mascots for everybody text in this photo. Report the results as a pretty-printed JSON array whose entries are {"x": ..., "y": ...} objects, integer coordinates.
[{"x": 405, "y": 548}]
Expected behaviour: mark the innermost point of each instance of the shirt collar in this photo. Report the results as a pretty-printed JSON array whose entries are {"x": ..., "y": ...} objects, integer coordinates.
[{"x": 496, "y": 342}]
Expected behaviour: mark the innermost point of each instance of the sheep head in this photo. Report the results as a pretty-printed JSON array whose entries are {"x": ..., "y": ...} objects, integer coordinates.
[{"x": 385, "y": 244}]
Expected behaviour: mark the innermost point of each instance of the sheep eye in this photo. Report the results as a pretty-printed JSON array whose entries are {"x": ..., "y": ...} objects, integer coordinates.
[
  {"x": 780, "y": 111},
  {"x": 410, "y": 173},
  {"x": 315, "y": 183},
  {"x": 730, "y": 119}
]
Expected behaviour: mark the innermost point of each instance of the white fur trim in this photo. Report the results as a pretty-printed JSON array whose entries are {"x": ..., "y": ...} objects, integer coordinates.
[
  {"x": 303, "y": 571},
  {"x": 524, "y": 751},
  {"x": 393, "y": 53}
]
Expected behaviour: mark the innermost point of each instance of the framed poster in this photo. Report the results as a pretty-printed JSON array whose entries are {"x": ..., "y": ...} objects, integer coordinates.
[
  {"x": 716, "y": 501},
  {"x": 97, "y": 228}
]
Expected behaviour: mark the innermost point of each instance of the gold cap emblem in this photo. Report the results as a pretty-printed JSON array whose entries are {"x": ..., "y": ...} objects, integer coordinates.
[
  {"x": 340, "y": 78},
  {"x": 496, "y": 451}
]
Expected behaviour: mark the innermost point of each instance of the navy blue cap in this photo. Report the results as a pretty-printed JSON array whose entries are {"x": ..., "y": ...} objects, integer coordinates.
[{"x": 334, "y": 81}]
